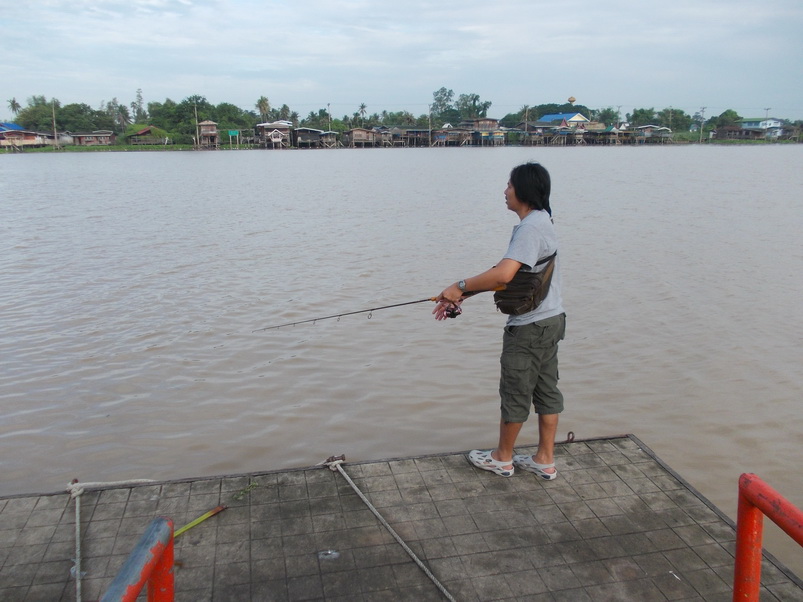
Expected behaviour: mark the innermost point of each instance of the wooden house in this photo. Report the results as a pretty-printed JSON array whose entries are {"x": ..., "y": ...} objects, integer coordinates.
[
  {"x": 488, "y": 137},
  {"x": 606, "y": 135},
  {"x": 147, "y": 135},
  {"x": 329, "y": 139},
  {"x": 208, "y": 136},
  {"x": 384, "y": 136},
  {"x": 96, "y": 138},
  {"x": 414, "y": 137},
  {"x": 768, "y": 127},
  {"x": 571, "y": 119},
  {"x": 480, "y": 124},
  {"x": 734, "y": 132},
  {"x": 655, "y": 134},
  {"x": 307, "y": 138},
  {"x": 274, "y": 134},
  {"x": 485, "y": 131},
  {"x": 451, "y": 137},
  {"x": 16, "y": 137},
  {"x": 359, "y": 137}
]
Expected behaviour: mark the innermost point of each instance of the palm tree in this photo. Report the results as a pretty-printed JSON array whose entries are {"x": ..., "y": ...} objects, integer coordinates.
[
  {"x": 263, "y": 106},
  {"x": 122, "y": 117},
  {"x": 362, "y": 111},
  {"x": 14, "y": 106}
]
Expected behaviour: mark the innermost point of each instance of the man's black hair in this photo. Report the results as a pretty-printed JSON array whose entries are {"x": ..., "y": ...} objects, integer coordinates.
[{"x": 532, "y": 185}]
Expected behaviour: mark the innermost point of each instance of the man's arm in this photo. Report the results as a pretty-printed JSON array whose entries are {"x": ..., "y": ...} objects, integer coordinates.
[{"x": 493, "y": 279}]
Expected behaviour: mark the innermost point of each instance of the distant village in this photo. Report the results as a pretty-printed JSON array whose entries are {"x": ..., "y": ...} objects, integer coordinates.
[{"x": 560, "y": 129}]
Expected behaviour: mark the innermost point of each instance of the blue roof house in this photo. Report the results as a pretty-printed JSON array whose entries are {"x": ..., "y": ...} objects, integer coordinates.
[{"x": 571, "y": 119}]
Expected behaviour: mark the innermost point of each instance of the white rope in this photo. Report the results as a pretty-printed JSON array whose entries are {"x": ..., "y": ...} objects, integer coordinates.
[
  {"x": 77, "y": 566},
  {"x": 76, "y": 489},
  {"x": 334, "y": 465}
]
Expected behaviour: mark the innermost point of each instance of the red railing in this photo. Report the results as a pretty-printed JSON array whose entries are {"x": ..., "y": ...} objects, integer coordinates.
[
  {"x": 150, "y": 562},
  {"x": 757, "y": 499}
]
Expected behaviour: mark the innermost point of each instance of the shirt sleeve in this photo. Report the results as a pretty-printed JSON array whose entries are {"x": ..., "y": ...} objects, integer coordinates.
[{"x": 526, "y": 246}]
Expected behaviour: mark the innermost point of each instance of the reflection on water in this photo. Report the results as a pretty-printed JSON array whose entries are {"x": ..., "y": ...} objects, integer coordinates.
[{"x": 131, "y": 284}]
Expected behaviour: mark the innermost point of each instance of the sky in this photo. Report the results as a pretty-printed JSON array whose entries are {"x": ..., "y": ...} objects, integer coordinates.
[{"x": 391, "y": 55}]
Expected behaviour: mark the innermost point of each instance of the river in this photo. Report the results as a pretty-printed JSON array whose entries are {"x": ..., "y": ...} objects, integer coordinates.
[{"x": 131, "y": 285}]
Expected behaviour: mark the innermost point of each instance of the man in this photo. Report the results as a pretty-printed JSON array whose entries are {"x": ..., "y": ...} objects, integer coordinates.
[{"x": 530, "y": 342}]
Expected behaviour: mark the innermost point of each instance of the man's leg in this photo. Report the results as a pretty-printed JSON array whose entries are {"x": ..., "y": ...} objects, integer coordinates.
[
  {"x": 508, "y": 433},
  {"x": 547, "y": 430}
]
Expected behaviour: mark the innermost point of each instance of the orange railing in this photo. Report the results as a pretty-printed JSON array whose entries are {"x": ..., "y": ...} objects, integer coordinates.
[
  {"x": 757, "y": 499},
  {"x": 151, "y": 563}
]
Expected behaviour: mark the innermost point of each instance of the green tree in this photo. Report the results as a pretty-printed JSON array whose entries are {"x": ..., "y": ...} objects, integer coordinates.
[
  {"x": 231, "y": 117},
  {"x": 38, "y": 115},
  {"x": 675, "y": 119},
  {"x": 726, "y": 118},
  {"x": 14, "y": 106},
  {"x": 80, "y": 117},
  {"x": 442, "y": 108},
  {"x": 319, "y": 120},
  {"x": 556, "y": 109},
  {"x": 138, "y": 113},
  {"x": 608, "y": 116},
  {"x": 442, "y": 101},
  {"x": 163, "y": 114},
  {"x": 284, "y": 113},
  {"x": 471, "y": 106},
  {"x": 362, "y": 110},
  {"x": 642, "y": 117},
  {"x": 122, "y": 118},
  {"x": 263, "y": 106}
]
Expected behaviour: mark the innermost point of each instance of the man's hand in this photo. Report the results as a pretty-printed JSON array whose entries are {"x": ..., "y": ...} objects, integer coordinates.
[{"x": 446, "y": 309}]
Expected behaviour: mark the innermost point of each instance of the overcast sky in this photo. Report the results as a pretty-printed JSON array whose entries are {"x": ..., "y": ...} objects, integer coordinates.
[{"x": 745, "y": 55}]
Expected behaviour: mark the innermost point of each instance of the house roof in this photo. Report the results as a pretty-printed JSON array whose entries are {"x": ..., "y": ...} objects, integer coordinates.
[
  {"x": 276, "y": 124},
  {"x": 8, "y": 126},
  {"x": 561, "y": 116}
]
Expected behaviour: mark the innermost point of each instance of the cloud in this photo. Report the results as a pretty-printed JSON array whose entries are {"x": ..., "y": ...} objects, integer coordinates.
[{"x": 394, "y": 55}]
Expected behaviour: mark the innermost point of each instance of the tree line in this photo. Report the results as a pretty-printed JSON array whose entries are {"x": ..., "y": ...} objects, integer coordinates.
[{"x": 178, "y": 119}]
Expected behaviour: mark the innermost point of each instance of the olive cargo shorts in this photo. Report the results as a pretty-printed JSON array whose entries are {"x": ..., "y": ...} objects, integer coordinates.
[{"x": 530, "y": 369}]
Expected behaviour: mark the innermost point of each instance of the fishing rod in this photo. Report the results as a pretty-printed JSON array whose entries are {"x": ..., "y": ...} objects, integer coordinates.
[{"x": 452, "y": 313}]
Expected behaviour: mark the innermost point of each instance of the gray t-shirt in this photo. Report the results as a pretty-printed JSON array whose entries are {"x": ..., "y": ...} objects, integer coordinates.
[{"x": 534, "y": 238}]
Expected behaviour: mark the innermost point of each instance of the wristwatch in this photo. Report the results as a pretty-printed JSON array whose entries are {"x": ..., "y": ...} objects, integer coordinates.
[{"x": 462, "y": 285}]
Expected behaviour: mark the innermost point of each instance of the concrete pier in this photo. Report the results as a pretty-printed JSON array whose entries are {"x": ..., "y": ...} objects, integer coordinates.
[{"x": 616, "y": 525}]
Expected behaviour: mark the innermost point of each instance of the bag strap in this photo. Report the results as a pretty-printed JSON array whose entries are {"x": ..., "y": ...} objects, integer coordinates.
[{"x": 545, "y": 259}]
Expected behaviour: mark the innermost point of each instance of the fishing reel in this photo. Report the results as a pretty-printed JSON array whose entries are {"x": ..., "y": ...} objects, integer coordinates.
[{"x": 453, "y": 311}]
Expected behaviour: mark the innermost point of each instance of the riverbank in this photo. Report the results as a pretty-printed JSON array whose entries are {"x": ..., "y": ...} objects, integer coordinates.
[{"x": 189, "y": 147}]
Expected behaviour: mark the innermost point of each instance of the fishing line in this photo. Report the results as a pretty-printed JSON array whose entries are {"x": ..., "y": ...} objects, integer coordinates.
[{"x": 350, "y": 313}]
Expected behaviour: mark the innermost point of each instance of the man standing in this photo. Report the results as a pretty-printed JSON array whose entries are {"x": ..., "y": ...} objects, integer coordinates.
[{"x": 530, "y": 342}]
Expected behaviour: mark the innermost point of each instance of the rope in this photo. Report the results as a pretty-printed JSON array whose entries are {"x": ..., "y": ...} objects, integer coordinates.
[
  {"x": 334, "y": 464},
  {"x": 76, "y": 489}
]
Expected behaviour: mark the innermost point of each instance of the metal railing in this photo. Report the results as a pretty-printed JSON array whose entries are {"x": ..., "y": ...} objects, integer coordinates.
[
  {"x": 757, "y": 499},
  {"x": 151, "y": 563}
]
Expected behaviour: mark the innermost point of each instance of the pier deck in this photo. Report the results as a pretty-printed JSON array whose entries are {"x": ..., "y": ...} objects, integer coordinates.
[{"x": 616, "y": 525}]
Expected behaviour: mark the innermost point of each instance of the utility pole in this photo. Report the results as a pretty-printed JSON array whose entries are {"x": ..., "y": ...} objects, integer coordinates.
[
  {"x": 55, "y": 133},
  {"x": 197, "y": 132},
  {"x": 430, "y": 125},
  {"x": 702, "y": 122}
]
